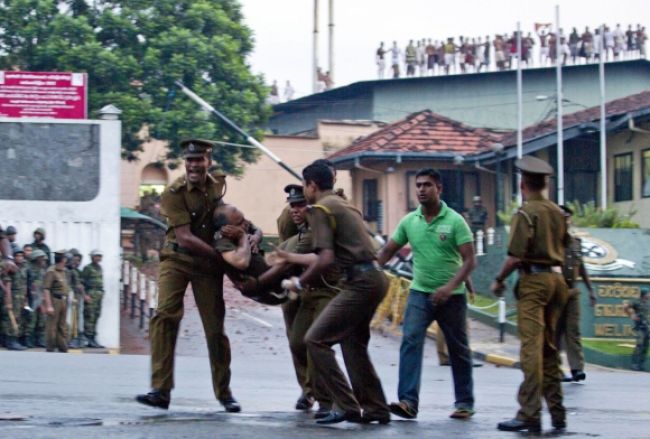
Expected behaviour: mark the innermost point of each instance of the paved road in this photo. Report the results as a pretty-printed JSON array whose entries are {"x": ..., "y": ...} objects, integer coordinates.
[{"x": 62, "y": 396}]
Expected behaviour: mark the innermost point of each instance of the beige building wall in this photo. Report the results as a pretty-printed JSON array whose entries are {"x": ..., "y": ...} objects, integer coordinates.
[
  {"x": 394, "y": 189},
  {"x": 258, "y": 192},
  {"x": 634, "y": 142}
]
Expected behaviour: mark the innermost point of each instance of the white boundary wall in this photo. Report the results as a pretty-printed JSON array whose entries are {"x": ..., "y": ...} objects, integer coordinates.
[{"x": 82, "y": 225}]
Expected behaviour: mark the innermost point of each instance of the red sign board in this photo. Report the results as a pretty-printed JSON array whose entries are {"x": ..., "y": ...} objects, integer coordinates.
[{"x": 56, "y": 95}]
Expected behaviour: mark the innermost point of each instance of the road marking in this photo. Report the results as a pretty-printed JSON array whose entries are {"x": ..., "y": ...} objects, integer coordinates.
[{"x": 256, "y": 319}]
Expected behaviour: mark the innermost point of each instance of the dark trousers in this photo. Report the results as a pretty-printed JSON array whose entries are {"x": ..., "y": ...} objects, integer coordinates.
[
  {"x": 452, "y": 319},
  {"x": 346, "y": 321},
  {"x": 207, "y": 287}
]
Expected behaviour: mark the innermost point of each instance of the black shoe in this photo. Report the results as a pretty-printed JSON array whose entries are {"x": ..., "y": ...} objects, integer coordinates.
[
  {"x": 13, "y": 345},
  {"x": 29, "y": 342},
  {"x": 322, "y": 412},
  {"x": 519, "y": 425},
  {"x": 155, "y": 398},
  {"x": 40, "y": 342},
  {"x": 380, "y": 419},
  {"x": 93, "y": 344},
  {"x": 567, "y": 378},
  {"x": 74, "y": 344},
  {"x": 559, "y": 425},
  {"x": 335, "y": 417},
  {"x": 305, "y": 402},
  {"x": 230, "y": 404},
  {"x": 578, "y": 375}
]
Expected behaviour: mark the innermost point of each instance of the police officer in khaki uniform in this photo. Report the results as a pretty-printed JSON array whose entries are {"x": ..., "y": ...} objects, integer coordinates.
[
  {"x": 538, "y": 238},
  {"x": 339, "y": 236},
  {"x": 311, "y": 303},
  {"x": 55, "y": 298},
  {"x": 189, "y": 257},
  {"x": 569, "y": 324}
]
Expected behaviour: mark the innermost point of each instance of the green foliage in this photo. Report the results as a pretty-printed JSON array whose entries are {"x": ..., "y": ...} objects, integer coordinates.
[
  {"x": 588, "y": 215},
  {"x": 505, "y": 216},
  {"x": 133, "y": 51}
]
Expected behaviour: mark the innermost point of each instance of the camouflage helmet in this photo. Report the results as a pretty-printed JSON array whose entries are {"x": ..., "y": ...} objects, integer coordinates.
[
  {"x": 11, "y": 230},
  {"x": 74, "y": 252},
  {"x": 96, "y": 252},
  {"x": 38, "y": 253},
  {"x": 40, "y": 230}
]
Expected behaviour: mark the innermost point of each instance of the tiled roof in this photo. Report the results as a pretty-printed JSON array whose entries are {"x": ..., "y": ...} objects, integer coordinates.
[
  {"x": 424, "y": 132},
  {"x": 616, "y": 107}
]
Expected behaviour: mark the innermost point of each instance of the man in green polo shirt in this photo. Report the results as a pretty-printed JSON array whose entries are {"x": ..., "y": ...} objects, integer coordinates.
[{"x": 443, "y": 258}]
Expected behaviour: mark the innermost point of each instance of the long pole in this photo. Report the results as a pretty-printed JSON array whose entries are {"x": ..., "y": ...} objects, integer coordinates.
[
  {"x": 314, "y": 67},
  {"x": 520, "y": 109},
  {"x": 560, "y": 128},
  {"x": 331, "y": 40},
  {"x": 232, "y": 125},
  {"x": 603, "y": 121}
]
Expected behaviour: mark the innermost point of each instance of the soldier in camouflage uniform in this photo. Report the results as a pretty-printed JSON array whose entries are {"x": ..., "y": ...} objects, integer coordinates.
[
  {"x": 14, "y": 300},
  {"x": 39, "y": 243},
  {"x": 35, "y": 328},
  {"x": 78, "y": 297},
  {"x": 93, "y": 283},
  {"x": 638, "y": 311}
]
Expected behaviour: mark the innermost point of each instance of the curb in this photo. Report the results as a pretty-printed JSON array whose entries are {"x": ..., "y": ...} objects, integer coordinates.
[
  {"x": 109, "y": 351},
  {"x": 497, "y": 360}
]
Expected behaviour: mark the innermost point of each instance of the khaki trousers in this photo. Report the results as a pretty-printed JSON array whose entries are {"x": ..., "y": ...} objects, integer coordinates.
[
  {"x": 542, "y": 298},
  {"x": 56, "y": 327},
  {"x": 207, "y": 286},
  {"x": 346, "y": 321},
  {"x": 569, "y": 331}
]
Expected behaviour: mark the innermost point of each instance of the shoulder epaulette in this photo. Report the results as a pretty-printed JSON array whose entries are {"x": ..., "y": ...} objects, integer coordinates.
[
  {"x": 177, "y": 184},
  {"x": 523, "y": 213}
]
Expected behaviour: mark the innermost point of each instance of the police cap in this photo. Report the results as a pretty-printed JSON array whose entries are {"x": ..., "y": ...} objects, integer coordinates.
[
  {"x": 96, "y": 252},
  {"x": 476, "y": 198},
  {"x": 11, "y": 230},
  {"x": 38, "y": 253},
  {"x": 295, "y": 194},
  {"x": 533, "y": 165},
  {"x": 19, "y": 251},
  {"x": 61, "y": 252},
  {"x": 196, "y": 147}
]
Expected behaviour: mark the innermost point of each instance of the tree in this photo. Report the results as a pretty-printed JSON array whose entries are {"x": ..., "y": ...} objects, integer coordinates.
[{"x": 133, "y": 51}]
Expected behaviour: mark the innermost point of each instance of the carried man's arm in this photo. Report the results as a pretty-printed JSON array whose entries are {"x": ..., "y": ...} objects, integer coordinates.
[{"x": 469, "y": 263}]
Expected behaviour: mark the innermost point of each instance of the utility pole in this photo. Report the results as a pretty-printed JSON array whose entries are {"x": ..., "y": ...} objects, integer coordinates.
[
  {"x": 331, "y": 40},
  {"x": 315, "y": 50}
]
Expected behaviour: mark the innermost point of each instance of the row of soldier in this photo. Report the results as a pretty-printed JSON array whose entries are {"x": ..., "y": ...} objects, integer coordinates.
[
  {"x": 329, "y": 263},
  {"x": 430, "y": 57},
  {"x": 48, "y": 301}
]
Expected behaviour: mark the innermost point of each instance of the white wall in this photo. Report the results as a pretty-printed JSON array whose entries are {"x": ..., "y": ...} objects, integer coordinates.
[{"x": 83, "y": 225}]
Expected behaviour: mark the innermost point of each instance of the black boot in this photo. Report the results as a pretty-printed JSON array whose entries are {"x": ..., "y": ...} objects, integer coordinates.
[
  {"x": 40, "y": 341},
  {"x": 13, "y": 345},
  {"x": 93, "y": 344},
  {"x": 29, "y": 342},
  {"x": 74, "y": 343},
  {"x": 156, "y": 398}
]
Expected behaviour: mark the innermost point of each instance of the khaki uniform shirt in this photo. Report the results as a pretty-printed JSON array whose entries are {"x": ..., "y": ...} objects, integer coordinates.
[
  {"x": 183, "y": 203},
  {"x": 286, "y": 227},
  {"x": 538, "y": 233},
  {"x": 348, "y": 238},
  {"x": 572, "y": 261},
  {"x": 55, "y": 281}
]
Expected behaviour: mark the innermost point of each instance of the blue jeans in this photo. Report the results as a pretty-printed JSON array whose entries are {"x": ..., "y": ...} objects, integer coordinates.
[{"x": 452, "y": 319}]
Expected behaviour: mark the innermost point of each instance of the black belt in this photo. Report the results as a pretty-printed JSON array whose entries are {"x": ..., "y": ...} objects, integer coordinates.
[
  {"x": 57, "y": 296},
  {"x": 177, "y": 248},
  {"x": 540, "y": 268},
  {"x": 361, "y": 267}
]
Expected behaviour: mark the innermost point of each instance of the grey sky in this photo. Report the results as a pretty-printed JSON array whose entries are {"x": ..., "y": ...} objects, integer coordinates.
[{"x": 283, "y": 28}]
